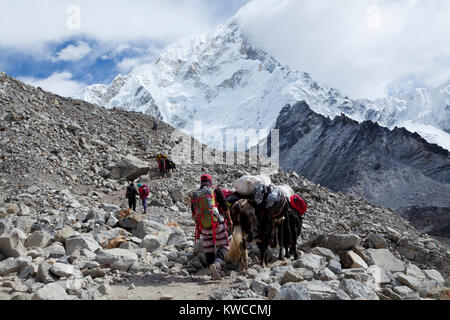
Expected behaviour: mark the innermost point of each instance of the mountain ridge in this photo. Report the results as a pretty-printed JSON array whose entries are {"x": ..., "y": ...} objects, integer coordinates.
[{"x": 246, "y": 87}]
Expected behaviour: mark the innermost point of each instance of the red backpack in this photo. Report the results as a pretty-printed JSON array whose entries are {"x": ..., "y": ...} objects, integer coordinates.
[
  {"x": 226, "y": 192},
  {"x": 145, "y": 190}
]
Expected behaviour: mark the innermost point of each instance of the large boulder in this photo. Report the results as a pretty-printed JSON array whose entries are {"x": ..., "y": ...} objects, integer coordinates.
[
  {"x": 341, "y": 241},
  {"x": 51, "y": 291},
  {"x": 319, "y": 290},
  {"x": 11, "y": 246},
  {"x": 154, "y": 242},
  {"x": 81, "y": 242},
  {"x": 386, "y": 260},
  {"x": 291, "y": 275},
  {"x": 129, "y": 167},
  {"x": 377, "y": 241},
  {"x": 62, "y": 269},
  {"x": 311, "y": 262},
  {"x": 350, "y": 259},
  {"x": 119, "y": 259},
  {"x": 64, "y": 233},
  {"x": 132, "y": 221},
  {"x": 43, "y": 274},
  {"x": 38, "y": 239},
  {"x": 356, "y": 289},
  {"x": 293, "y": 291},
  {"x": 149, "y": 227},
  {"x": 434, "y": 275},
  {"x": 11, "y": 265}
]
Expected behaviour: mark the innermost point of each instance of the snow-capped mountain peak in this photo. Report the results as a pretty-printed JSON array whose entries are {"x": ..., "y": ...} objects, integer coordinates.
[{"x": 225, "y": 82}]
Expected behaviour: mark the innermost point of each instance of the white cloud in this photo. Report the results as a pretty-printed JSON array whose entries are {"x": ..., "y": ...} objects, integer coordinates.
[
  {"x": 31, "y": 22},
  {"x": 128, "y": 64},
  {"x": 58, "y": 83},
  {"x": 361, "y": 47},
  {"x": 73, "y": 53}
]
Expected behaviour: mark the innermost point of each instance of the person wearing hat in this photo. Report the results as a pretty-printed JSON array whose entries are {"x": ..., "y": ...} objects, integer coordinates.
[
  {"x": 144, "y": 192},
  {"x": 211, "y": 226}
]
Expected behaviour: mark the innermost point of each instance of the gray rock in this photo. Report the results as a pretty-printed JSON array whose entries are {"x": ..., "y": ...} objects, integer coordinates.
[
  {"x": 327, "y": 275},
  {"x": 43, "y": 274},
  {"x": 149, "y": 227},
  {"x": 434, "y": 275},
  {"x": 62, "y": 269},
  {"x": 128, "y": 167},
  {"x": 51, "y": 291},
  {"x": 112, "y": 221},
  {"x": 24, "y": 210},
  {"x": 104, "y": 289},
  {"x": 356, "y": 289},
  {"x": 56, "y": 250},
  {"x": 406, "y": 293},
  {"x": 119, "y": 259},
  {"x": 335, "y": 266},
  {"x": 38, "y": 239},
  {"x": 81, "y": 242},
  {"x": 358, "y": 274},
  {"x": 385, "y": 259},
  {"x": 411, "y": 282},
  {"x": 293, "y": 291},
  {"x": 341, "y": 241},
  {"x": 11, "y": 246},
  {"x": 258, "y": 287},
  {"x": 319, "y": 290},
  {"x": 377, "y": 241},
  {"x": 291, "y": 275},
  {"x": 273, "y": 290},
  {"x": 325, "y": 252},
  {"x": 311, "y": 262},
  {"x": 350, "y": 259},
  {"x": 64, "y": 233},
  {"x": 11, "y": 265},
  {"x": 153, "y": 243},
  {"x": 413, "y": 270}
]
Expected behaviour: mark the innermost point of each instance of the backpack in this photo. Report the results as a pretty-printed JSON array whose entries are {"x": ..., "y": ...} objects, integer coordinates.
[
  {"x": 206, "y": 212},
  {"x": 145, "y": 190}
]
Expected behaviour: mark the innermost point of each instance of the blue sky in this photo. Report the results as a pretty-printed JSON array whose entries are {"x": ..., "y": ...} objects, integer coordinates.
[
  {"x": 365, "y": 48},
  {"x": 45, "y": 51}
]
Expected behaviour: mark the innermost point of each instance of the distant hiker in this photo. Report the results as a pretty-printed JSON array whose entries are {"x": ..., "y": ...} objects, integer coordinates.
[
  {"x": 211, "y": 226},
  {"x": 155, "y": 126},
  {"x": 144, "y": 192},
  {"x": 131, "y": 196},
  {"x": 162, "y": 165}
]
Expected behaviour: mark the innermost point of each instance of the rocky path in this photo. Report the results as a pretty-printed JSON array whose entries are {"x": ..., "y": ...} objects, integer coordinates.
[{"x": 165, "y": 288}]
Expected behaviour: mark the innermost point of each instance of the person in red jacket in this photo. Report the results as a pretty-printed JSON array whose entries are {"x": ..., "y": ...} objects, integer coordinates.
[{"x": 144, "y": 192}]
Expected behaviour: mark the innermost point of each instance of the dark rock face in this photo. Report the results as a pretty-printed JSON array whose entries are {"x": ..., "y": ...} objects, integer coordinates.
[
  {"x": 433, "y": 220},
  {"x": 393, "y": 168}
]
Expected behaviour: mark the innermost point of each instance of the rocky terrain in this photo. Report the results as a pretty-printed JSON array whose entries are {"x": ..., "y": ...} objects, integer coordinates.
[{"x": 64, "y": 234}]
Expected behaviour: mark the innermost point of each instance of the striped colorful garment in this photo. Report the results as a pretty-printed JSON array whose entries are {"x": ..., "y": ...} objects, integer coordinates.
[{"x": 221, "y": 238}]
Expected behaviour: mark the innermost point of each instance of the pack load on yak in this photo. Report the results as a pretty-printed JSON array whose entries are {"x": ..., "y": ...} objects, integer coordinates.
[
  {"x": 246, "y": 185},
  {"x": 266, "y": 214}
]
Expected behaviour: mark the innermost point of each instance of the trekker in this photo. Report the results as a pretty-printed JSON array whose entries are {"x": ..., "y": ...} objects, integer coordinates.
[
  {"x": 211, "y": 226},
  {"x": 162, "y": 165},
  {"x": 144, "y": 192},
  {"x": 155, "y": 126},
  {"x": 131, "y": 196}
]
